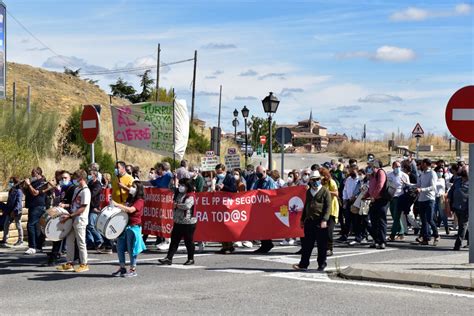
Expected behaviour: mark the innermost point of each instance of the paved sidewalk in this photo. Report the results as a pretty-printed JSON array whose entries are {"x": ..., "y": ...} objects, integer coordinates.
[{"x": 451, "y": 271}]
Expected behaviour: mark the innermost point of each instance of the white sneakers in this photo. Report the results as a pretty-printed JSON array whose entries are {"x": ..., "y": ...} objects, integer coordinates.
[
  {"x": 30, "y": 251},
  {"x": 164, "y": 246},
  {"x": 289, "y": 242},
  {"x": 247, "y": 244}
]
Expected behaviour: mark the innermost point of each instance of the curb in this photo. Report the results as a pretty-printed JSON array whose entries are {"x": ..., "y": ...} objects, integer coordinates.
[{"x": 359, "y": 273}]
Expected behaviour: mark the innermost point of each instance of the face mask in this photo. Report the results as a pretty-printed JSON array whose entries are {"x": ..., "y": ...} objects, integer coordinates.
[
  {"x": 305, "y": 178},
  {"x": 209, "y": 183},
  {"x": 64, "y": 183},
  {"x": 89, "y": 178},
  {"x": 369, "y": 171},
  {"x": 208, "y": 179},
  {"x": 361, "y": 177},
  {"x": 440, "y": 174},
  {"x": 221, "y": 176},
  {"x": 236, "y": 177},
  {"x": 152, "y": 176},
  {"x": 249, "y": 172},
  {"x": 132, "y": 191},
  {"x": 396, "y": 170},
  {"x": 75, "y": 182},
  {"x": 259, "y": 175},
  {"x": 290, "y": 180},
  {"x": 315, "y": 184},
  {"x": 116, "y": 171},
  {"x": 10, "y": 185},
  {"x": 181, "y": 189}
]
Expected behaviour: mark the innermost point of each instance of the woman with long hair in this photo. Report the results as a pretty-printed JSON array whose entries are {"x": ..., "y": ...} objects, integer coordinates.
[{"x": 131, "y": 240}]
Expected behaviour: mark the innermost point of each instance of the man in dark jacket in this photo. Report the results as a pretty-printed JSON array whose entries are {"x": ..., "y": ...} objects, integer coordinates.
[
  {"x": 458, "y": 197},
  {"x": 314, "y": 219},
  {"x": 226, "y": 183},
  {"x": 12, "y": 211},
  {"x": 93, "y": 238}
]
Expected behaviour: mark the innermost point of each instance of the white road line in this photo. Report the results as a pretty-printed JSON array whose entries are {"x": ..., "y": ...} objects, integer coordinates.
[
  {"x": 463, "y": 114},
  {"x": 237, "y": 271},
  {"x": 153, "y": 259},
  {"x": 362, "y": 253},
  {"x": 312, "y": 278},
  {"x": 181, "y": 267}
]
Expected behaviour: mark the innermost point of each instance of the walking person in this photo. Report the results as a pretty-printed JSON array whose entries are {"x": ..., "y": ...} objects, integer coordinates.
[
  {"x": 314, "y": 221},
  {"x": 225, "y": 182},
  {"x": 396, "y": 180},
  {"x": 348, "y": 198},
  {"x": 80, "y": 217},
  {"x": 131, "y": 240},
  {"x": 329, "y": 183},
  {"x": 94, "y": 239},
  {"x": 35, "y": 202},
  {"x": 458, "y": 200},
  {"x": 426, "y": 188},
  {"x": 379, "y": 205},
  {"x": 361, "y": 205},
  {"x": 440, "y": 204},
  {"x": 184, "y": 222},
  {"x": 12, "y": 211}
]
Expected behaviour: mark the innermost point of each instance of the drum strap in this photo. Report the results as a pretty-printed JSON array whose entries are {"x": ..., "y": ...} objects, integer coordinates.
[{"x": 78, "y": 192}]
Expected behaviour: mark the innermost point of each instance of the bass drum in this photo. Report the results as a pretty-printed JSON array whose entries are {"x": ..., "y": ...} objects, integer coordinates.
[
  {"x": 51, "y": 226},
  {"x": 111, "y": 222}
]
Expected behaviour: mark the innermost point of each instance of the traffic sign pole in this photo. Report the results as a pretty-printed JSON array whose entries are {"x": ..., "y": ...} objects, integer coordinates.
[
  {"x": 471, "y": 203},
  {"x": 417, "y": 147},
  {"x": 282, "y": 175},
  {"x": 92, "y": 153}
]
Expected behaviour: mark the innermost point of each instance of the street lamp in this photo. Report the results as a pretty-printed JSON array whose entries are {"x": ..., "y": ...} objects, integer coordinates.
[
  {"x": 270, "y": 106},
  {"x": 236, "y": 113},
  {"x": 245, "y": 114},
  {"x": 235, "y": 123}
]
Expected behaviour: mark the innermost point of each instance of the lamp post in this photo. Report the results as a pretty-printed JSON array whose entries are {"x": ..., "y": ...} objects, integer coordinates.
[
  {"x": 235, "y": 123},
  {"x": 245, "y": 114},
  {"x": 270, "y": 106}
]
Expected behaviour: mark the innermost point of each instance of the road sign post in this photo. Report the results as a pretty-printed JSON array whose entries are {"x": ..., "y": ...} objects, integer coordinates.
[
  {"x": 460, "y": 121},
  {"x": 282, "y": 135},
  {"x": 90, "y": 127},
  {"x": 417, "y": 133}
]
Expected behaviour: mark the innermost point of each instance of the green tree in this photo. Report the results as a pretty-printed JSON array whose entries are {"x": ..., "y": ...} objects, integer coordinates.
[
  {"x": 122, "y": 89},
  {"x": 146, "y": 83},
  {"x": 259, "y": 126},
  {"x": 164, "y": 95}
]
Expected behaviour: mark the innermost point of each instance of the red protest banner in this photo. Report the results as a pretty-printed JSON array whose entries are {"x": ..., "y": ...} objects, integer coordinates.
[
  {"x": 157, "y": 216},
  {"x": 223, "y": 216},
  {"x": 105, "y": 197}
]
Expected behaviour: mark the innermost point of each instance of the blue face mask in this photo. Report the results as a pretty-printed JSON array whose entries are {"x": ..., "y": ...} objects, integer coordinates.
[
  {"x": 221, "y": 176},
  {"x": 116, "y": 171},
  {"x": 369, "y": 171},
  {"x": 10, "y": 185},
  {"x": 396, "y": 170},
  {"x": 65, "y": 183},
  {"x": 89, "y": 178}
]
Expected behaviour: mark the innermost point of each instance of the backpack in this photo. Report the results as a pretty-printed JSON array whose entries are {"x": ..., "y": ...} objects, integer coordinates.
[{"x": 386, "y": 193}]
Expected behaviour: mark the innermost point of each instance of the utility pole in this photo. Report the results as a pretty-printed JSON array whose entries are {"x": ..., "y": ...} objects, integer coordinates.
[
  {"x": 28, "y": 100},
  {"x": 158, "y": 74},
  {"x": 194, "y": 86},
  {"x": 14, "y": 99},
  {"x": 219, "y": 123}
]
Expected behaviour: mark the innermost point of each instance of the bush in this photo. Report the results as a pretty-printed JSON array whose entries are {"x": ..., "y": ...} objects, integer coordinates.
[
  {"x": 197, "y": 143},
  {"x": 174, "y": 163},
  {"x": 15, "y": 160}
]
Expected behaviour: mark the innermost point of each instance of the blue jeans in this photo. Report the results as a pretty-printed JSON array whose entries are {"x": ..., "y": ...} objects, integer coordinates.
[
  {"x": 93, "y": 238},
  {"x": 126, "y": 244},
  {"x": 34, "y": 231},
  {"x": 426, "y": 209}
]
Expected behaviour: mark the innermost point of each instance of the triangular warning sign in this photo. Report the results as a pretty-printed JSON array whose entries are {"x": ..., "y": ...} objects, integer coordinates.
[{"x": 418, "y": 130}]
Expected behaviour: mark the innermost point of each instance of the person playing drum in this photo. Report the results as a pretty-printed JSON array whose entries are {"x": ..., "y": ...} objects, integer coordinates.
[
  {"x": 131, "y": 239},
  {"x": 80, "y": 216}
]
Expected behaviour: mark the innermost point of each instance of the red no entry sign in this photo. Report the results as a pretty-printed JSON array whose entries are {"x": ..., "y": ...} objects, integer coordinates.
[
  {"x": 263, "y": 139},
  {"x": 460, "y": 114},
  {"x": 90, "y": 124}
]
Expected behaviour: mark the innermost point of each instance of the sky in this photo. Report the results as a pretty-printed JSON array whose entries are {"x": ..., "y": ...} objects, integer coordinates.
[{"x": 386, "y": 63}]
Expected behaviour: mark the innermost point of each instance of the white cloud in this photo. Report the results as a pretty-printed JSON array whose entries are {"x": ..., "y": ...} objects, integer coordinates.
[
  {"x": 59, "y": 62},
  {"x": 410, "y": 14},
  {"x": 394, "y": 54},
  {"x": 383, "y": 53},
  {"x": 379, "y": 98},
  {"x": 417, "y": 14}
]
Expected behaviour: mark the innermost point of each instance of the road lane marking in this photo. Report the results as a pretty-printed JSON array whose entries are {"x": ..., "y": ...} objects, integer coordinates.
[
  {"x": 237, "y": 271},
  {"x": 314, "y": 277},
  {"x": 182, "y": 267}
]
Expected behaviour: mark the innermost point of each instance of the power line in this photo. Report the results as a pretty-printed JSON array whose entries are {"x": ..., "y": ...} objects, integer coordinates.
[
  {"x": 37, "y": 39},
  {"x": 123, "y": 70}
]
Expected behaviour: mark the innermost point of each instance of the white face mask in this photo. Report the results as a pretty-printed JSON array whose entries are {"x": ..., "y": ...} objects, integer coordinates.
[
  {"x": 132, "y": 191},
  {"x": 152, "y": 176},
  {"x": 290, "y": 180},
  {"x": 236, "y": 177},
  {"x": 305, "y": 178},
  {"x": 181, "y": 189}
]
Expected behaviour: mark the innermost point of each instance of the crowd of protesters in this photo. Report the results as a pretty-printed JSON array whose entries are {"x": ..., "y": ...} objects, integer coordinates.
[{"x": 421, "y": 196}]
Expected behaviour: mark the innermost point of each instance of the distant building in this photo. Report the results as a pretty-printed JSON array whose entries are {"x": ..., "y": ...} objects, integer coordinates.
[
  {"x": 337, "y": 138},
  {"x": 309, "y": 133}
]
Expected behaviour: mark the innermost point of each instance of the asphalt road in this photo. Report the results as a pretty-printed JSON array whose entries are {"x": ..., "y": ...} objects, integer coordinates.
[
  {"x": 292, "y": 161},
  {"x": 239, "y": 284}
]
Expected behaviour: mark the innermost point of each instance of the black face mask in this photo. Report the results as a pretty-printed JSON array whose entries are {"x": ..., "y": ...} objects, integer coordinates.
[
  {"x": 353, "y": 175},
  {"x": 259, "y": 175}
]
